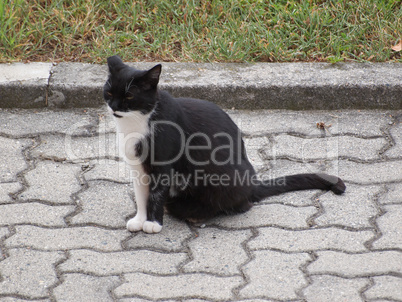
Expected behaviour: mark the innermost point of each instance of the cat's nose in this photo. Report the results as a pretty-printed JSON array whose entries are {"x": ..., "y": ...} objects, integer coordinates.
[{"x": 113, "y": 106}]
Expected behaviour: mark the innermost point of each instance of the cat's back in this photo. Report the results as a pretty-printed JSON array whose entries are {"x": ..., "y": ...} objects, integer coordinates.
[{"x": 205, "y": 114}]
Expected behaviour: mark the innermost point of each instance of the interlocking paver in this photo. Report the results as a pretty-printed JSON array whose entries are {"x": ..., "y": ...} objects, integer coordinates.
[
  {"x": 115, "y": 263},
  {"x": 296, "y": 199},
  {"x": 353, "y": 209},
  {"x": 172, "y": 238},
  {"x": 390, "y": 225},
  {"x": 254, "y": 145},
  {"x": 185, "y": 285},
  {"x": 385, "y": 287},
  {"x": 67, "y": 238},
  {"x": 12, "y": 299},
  {"x": 3, "y": 232},
  {"x": 73, "y": 148},
  {"x": 357, "y": 265},
  {"x": 8, "y": 188},
  {"x": 65, "y": 202},
  {"x": 218, "y": 252},
  {"x": 279, "y": 121},
  {"x": 31, "y": 122},
  {"x": 310, "y": 240},
  {"x": 274, "y": 275},
  {"x": 267, "y": 215},
  {"x": 146, "y": 300},
  {"x": 108, "y": 169},
  {"x": 105, "y": 203},
  {"x": 283, "y": 167},
  {"x": 11, "y": 149},
  {"x": 396, "y": 134},
  {"x": 331, "y": 288},
  {"x": 28, "y": 273},
  {"x": 34, "y": 213},
  {"x": 53, "y": 182},
  {"x": 393, "y": 194},
  {"x": 329, "y": 147},
  {"x": 349, "y": 171},
  {"x": 370, "y": 173},
  {"x": 78, "y": 287}
]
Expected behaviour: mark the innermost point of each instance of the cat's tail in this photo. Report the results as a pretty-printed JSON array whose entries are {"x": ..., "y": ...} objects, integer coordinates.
[{"x": 298, "y": 182}]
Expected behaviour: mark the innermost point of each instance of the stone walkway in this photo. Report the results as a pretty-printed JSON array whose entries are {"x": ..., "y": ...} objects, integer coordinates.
[{"x": 65, "y": 198}]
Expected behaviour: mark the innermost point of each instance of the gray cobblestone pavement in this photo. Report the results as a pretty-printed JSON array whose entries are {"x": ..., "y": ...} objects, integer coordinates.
[{"x": 65, "y": 197}]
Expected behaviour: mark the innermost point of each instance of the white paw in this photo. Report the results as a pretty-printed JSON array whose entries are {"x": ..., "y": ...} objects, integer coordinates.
[
  {"x": 151, "y": 227},
  {"x": 135, "y": 224}
]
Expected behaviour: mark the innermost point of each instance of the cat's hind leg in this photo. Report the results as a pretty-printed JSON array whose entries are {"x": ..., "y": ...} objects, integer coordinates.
[{"x": 155, "y": 209}]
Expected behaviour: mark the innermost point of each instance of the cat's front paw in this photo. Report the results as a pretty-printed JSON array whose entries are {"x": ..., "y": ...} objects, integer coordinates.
[
  {"x": 151, "y": 227},
  {"x": 135, "y": 224}
]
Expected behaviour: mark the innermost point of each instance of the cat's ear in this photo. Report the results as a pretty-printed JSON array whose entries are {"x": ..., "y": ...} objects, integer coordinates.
[
  {"x": 151, "y": 78},
  {"x": 115, "y": 64}
]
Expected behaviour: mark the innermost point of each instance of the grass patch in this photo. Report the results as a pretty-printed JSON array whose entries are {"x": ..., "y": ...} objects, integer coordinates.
[{"x": 200, "y": 30}]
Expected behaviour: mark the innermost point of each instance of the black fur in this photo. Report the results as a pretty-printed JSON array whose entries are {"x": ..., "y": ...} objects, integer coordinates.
[{"x": 128, "y": 89}]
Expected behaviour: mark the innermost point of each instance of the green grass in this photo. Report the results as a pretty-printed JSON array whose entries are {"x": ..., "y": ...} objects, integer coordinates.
[{"x": 200, "y": 31}]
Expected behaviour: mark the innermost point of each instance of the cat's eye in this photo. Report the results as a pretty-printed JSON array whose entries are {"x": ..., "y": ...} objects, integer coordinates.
[
  {"x": 109, "y": 93},
  {"x": 129, "y": 97}
]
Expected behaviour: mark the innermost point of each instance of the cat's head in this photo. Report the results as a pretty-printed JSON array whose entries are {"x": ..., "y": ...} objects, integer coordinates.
[{"x": 128, "y": 89}]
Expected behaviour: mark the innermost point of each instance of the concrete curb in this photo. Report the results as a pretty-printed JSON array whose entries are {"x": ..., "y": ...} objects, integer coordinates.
[{"x": 294, "y": 86}]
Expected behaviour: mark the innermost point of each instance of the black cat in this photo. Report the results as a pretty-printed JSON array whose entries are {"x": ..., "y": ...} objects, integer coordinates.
[{"x": 186, "y": 155}]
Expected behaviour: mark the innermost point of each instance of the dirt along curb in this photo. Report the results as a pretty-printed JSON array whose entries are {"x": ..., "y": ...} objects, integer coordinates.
[{"x": 292, "y": 86}]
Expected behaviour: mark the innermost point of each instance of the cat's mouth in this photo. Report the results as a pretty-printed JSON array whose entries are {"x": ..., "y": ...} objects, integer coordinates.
[{"x": 116, "y": 115}]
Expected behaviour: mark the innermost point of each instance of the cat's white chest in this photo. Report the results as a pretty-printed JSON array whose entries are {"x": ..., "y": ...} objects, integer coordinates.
[{"x": 130, "y": 129}]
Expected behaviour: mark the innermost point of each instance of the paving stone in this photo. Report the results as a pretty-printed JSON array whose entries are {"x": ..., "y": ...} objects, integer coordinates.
[
  {"x": 329, "y": 147},
  {"x": 296, "y": 199},
  {"x": 77, "y": 287},
  {"x": 12, "y": 299},
  {"x": 53, "y": 182},
  {"x": 310, "y": 240},
  {"x": 349, "y": 171},
  {"x": 357, "y": 265},
  {"x": 182, "y": 286},
  {"x": 146, "y": 300},
  {"x": 390, "y": 225},
  {"x": 253, "y": 147},
  {"x": 330, "y": 288},
  {"x": 393, "y": 194},
  {"x": 67, "y": 238},
  {"x": 370, "y": 173},
  {"x": 3, "y": 232},
  {"x": 74, "y": 148},
  {"x": 115, "y": 263},
  {"x": 8, "y": 188},
  {"x": 34, "y": 213},
  {"x": 354, "y": 208},
  {"x": 105, "y": 203},
  {"x": 172, "y": 238},
  {"x": 108, "y": 169},
  {"x": 217, "y": 252},
  {"x": 263, "y": 300},
  {"x": 267, "y": 215},
  {"x": 28, "y": 122},
  {"x": 396, "y": 133},
  {"x": 388, "y": 288},
  {"x": 283, "y": 167},
  {"x": 343, "y": 122},
  {"x": 13, "y": 159},
  {"x": 274, "y": 275},
  {"x": 28, "y": 273}
]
